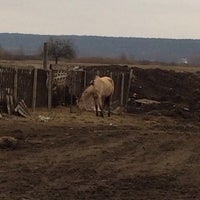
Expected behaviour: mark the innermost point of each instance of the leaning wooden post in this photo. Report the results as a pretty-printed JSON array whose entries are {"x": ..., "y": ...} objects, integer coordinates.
[
  {"x": 122, "y": 90},
  {"x": 34, "y": 89},
  {"x": 45, "y": 57},
  {"x": 15, "y": 85},
  {"x": 49, "y": 82}
]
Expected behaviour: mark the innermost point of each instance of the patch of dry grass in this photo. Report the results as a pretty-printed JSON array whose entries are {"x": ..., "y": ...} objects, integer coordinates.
[{"x": 62, "y": 115}]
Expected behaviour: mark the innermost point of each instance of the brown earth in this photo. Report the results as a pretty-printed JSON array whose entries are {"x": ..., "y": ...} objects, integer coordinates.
[
  {"x": 137, "y": 156},
  {"x": 177, "y": 92}
]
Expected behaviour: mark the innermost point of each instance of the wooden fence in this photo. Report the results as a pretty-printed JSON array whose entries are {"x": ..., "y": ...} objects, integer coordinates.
[
  {"x": 35, "y": 86},
  {"x": 26, "y": 84}
]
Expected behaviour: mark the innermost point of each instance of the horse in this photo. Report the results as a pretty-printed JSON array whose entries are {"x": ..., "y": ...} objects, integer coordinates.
[{"x": 101, "y": 89}]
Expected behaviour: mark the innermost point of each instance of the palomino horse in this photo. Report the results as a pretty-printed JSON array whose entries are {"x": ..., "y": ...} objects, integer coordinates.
[{"x": 101, "y": 89}]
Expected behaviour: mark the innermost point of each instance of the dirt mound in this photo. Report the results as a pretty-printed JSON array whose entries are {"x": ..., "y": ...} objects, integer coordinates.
[{"x": 177, "y": 92}]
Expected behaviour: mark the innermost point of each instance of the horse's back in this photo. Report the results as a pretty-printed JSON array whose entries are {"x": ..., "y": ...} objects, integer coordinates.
[{"x": 105, "y": 85}]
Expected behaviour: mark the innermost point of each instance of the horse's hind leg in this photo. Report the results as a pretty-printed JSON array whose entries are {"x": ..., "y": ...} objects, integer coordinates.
[
  {"x": 108, "y": 102},
  {"x": 101, "y": 107},
  {"x": 96, "y": 108}
]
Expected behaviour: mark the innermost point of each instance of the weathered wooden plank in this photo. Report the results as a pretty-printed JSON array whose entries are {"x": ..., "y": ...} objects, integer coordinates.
[{"x": 34, "y": 90}]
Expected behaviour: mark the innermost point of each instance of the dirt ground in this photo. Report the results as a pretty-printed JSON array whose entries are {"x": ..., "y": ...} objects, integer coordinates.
[{"x": 139, "y": 156}]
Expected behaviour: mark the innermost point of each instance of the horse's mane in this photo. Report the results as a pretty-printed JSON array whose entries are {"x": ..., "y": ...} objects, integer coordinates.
[{"x": 87, "y": 93}]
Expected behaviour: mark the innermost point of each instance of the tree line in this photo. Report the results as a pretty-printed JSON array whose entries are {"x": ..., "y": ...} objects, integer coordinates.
[{"x": 59, "y": 47}]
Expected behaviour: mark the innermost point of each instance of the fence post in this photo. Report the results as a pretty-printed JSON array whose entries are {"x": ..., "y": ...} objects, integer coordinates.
[
  {"x": 34, "y": 90},
  {"x": 71, "y": 90},
  {"x": 49, "y": 78},
  {"x": 122, "y": 90},
  {"x": 45, "y": 57},
  {"x": 129, "y": 86},
  {"x": 85, "y": 79},
  {"x": 15, "y": 85},
  {"x": 111, "y": 74}
]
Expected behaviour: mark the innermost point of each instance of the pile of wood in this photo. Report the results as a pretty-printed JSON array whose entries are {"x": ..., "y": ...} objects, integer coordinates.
[
  {"x": 22, "y": 109},
  {"x": 13, "y": 107}
]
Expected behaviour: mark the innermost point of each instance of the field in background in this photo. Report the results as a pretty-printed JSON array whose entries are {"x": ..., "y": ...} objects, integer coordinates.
[{"x": 39, "y": 64}]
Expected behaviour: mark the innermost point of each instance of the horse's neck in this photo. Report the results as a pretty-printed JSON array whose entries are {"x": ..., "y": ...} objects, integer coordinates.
[{"x": 88, "y": 93}]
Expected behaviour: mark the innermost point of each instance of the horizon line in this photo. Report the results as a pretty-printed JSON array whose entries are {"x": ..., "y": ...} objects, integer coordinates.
[{"x": 105, "y": 36}]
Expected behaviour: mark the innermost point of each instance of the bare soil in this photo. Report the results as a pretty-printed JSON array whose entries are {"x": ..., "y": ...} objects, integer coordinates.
[{"x": 137, "y": 156}]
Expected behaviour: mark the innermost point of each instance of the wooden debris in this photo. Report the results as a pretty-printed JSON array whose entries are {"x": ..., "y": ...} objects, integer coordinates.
[
  {"x": 24, "y": 106},
  {"x": 146, "y": 101},
  {"x": 22, "y": 109}
]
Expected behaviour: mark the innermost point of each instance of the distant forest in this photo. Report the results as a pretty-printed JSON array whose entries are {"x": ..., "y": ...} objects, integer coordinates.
[{"x": 152, "y": 49}]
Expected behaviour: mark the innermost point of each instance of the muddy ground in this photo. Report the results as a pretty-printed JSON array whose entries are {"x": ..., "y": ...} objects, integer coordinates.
[
  {"x": 152, "y": 153},
  {"x": 139, "y": 156}
]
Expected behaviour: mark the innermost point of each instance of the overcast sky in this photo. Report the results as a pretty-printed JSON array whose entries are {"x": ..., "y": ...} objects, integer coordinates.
[{"x": 126, "y": 18}]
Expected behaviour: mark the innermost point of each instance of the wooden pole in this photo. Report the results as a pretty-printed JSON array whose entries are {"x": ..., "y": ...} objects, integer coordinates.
[
  {"x": 122, "y": 90},
  {"x": 111, "y": 100},
  {"x": 129, "y": 86},
  {"x": 85, "y": 79},
  {"x": 71, "y": 90},
  {"x": 34, "y": 89},
  {"x": 15, "y": 85},
  {"x": 45, "y": 57},
  {"x": 111, "y": 74},
  {"x": 49, "y": 75}
]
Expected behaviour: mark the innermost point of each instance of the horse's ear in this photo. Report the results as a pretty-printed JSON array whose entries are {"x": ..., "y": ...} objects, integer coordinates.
[{"x": 92, "y": 82}]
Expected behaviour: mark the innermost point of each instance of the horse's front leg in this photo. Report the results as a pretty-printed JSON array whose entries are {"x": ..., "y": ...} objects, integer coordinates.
[
  {"x": 96, "y": 105},
  {"x": 101, "y": 107}
]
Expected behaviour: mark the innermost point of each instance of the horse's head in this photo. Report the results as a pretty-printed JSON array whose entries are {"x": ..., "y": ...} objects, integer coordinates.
[
  {"x": 80, "y": 106},
  {"x": 82, "y": 102}
]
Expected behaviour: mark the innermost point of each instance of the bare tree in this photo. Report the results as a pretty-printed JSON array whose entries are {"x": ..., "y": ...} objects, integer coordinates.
[{"x": 60, "y": 48}]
